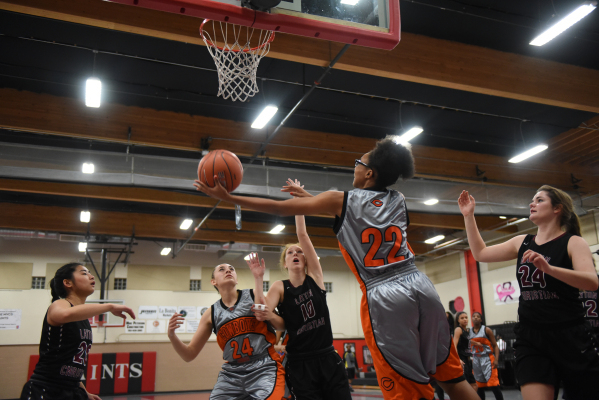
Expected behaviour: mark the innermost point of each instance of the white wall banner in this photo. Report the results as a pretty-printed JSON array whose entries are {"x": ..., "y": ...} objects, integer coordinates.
[
  {"x": 188, "y": 312},
  {"x": 10, "y": 319},
  {"x": 506, "y": 292},
  {"x": 201, "y": 311},
  {"x": 136, "y": 326},
  {"x": 156, "y": 326},
  {"x": 192, "y": 325},
  {"x": 166, "y": 312},
  {"x": 147, "y": 312}
]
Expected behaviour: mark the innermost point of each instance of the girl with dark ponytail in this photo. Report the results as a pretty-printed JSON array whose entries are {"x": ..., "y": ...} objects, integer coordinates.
[
  {"x": 552, "y": 340},
  {"x": 67, "y": 337},
  {"x": 371, "y": 223}
]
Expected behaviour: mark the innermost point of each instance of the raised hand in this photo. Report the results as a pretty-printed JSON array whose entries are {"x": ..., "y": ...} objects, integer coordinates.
[
  {"x": 256, "y": 267},
  {"x": 466, "y": 203},
  {"x": 119, "y": 310},
  {"x": 174, "y": 323},
  {"x": 217, "y": 192},
  {"x": 295, "y": 188}
]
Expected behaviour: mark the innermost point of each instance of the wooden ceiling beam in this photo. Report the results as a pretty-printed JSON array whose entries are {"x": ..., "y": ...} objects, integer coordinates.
[
  {"x": 145, "y": 195},
  {"x": 48, "y": 114},
  {"x": 152, "y": 226},
  {"x": 417, "y": 58}
]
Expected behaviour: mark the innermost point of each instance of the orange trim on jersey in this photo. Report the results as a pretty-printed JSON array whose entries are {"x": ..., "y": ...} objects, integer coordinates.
[
  {"x": 494, "y": 379},
  {"x": 241, "y": 326},
  {"x": 451, "y": 368},
  {"x": 350, "y": 263},
  {"x": 410, "y": 247},
  {"x": 279, "y": 389}
]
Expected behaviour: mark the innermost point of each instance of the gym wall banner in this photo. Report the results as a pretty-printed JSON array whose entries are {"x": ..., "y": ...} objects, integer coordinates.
[{"x": 116, "y": 373}]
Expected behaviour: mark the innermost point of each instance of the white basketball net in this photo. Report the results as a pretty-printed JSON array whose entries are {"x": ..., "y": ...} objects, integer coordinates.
[{"x": 238, "y": 58}]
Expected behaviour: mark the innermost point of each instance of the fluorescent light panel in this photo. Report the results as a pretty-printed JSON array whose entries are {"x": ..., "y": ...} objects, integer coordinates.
[
  {"x": 409, "y": 135},
  {"x": 585, "y": 9},
  {"x": 431, "y": 202},
  {"x": 264, "y": 117},
  {"x": 520, "y": 220},
  {"x": 528, "y": 153},
  {"x": 165, "y": 251},
  {"x": 85, "y": 216},
  {"x": 277, "y": 229},
  {"x": 186, "y": 224},
  {"x": 502, "y": 217},
  {"x": 434, "y": 239},
  {"x": 93, "y": 92},
  {"x": 88, "y": 168},
  {"x": 247, "y": 258},
  {"x": 82, "y": 246},
  {"x": 350, "y": 2}
]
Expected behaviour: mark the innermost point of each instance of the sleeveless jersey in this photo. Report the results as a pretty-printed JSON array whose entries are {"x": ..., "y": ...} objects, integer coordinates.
[
  {"x": 543, "y": 298},
  {"x": 482, "y": 358},
  {"x": 63, "y": 352},
  {"x": 372, "y": 232},
  {"x": 306, "y": 314},
  {"x": 463, "y": 346},
  {"x": 238, "y": 333},
  {"x": 590, "y": 301}
]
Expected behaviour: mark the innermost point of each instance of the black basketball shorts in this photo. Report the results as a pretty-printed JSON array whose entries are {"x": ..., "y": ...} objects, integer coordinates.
[
  {"x": 34, "y": 390},
  {"x": 569, "y": 353}
]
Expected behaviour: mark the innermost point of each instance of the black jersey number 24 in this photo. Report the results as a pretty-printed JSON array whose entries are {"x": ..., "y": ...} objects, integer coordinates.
[
  {"x": 392, "y": 235},
  {"x": 528, "y": 280}
]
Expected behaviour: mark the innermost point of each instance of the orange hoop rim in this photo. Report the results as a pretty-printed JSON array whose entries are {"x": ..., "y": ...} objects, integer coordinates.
[{"x": 211, "y": 44}]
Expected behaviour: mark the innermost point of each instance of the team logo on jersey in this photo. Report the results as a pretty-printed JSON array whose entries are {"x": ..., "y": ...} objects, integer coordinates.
[
  {"x": 387, "y": 383},
  {"x": 377, "y": 202}
]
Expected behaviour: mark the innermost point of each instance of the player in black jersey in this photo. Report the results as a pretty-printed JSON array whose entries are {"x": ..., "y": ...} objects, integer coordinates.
[
  {"x": 314, "y": 370},
  {"x": 67, "y": 337},
  {"x": 552, "y": 340},
  {"x": 590, "y": 302}
]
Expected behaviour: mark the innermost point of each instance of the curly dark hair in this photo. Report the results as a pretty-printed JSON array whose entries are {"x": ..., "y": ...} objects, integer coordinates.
[{"x": 391, "y": 161}]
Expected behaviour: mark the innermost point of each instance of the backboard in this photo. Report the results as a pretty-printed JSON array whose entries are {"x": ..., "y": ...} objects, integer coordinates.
[{"x": 369, "y": 23}]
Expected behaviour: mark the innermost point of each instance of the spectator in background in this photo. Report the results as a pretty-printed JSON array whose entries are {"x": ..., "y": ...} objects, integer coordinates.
[{"x": 350, "y": 363}]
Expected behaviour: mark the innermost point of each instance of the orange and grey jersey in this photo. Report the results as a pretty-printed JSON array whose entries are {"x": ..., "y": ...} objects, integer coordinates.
[
  {"x": 372, "y": 230},
  {"x": 482, "y": 358},
  {"x": 239, "y": 334}
]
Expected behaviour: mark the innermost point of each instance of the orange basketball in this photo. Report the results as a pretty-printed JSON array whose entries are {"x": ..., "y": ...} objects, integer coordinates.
[{"x": 225, "y": 165}]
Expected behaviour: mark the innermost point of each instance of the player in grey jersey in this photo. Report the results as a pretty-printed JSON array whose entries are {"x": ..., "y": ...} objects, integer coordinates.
[
  {"x": 252, "y": 369},
  {"x": 406, "y": 351}
]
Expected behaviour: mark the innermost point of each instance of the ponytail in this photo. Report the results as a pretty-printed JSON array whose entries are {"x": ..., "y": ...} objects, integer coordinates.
[
  {"x": 57, "y": 288},
  {"x": 568, "y": 219}
]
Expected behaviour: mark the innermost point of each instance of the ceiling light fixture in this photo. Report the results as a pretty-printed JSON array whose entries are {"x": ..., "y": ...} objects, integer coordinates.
[
  {"x": 431, "y": 202},
  {"x": 87, "y": 168},
  {"x": 434, "y": 239},
  {"x": 277, "y": 229},
  {"x": 82, "y": 246},
  {"x": 520, "y": 220},
  {"x": 186, "y": 224},
  {"x": 264, "y": 117},
  {"x": 528, "y": 153},
  {"x": 560, "y": 26},
  {"x": 502, "y": 217},
  {"x": 93, "y": 92},
  {"x": 85, "y": 216},
  {"x": 166, "y": 251},
  {"x": 247, "y": 258},
  {"x": 350, "y": 2},
  {"x": 409, "y": 135}
]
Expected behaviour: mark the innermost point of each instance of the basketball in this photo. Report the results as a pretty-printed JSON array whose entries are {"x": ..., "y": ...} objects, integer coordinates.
[{"x": 225, "y": 165}]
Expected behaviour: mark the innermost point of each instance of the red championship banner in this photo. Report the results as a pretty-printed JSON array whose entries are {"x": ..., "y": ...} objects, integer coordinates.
[{"x": 116, "y": 373}]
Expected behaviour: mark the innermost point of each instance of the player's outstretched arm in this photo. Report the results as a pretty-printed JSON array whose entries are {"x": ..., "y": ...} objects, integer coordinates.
[
  {"x": 257, "y": 270},
  {"x": 501, "y": 252},
  {"x": 312, "y": 261},
  {"x": 330, "y": 203},
  {"x": 61, "y": 312},
  {"x": 189, "y": 352}
]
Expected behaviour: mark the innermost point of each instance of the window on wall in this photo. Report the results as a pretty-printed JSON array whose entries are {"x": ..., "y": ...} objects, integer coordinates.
[
  {"x": 120, "y": 283},
  {"x": 195, "y": 285},
  {"x": 328, "y": 286},
  {"x": 265, "y": 286},
  {"x": 38, "y": 282}
]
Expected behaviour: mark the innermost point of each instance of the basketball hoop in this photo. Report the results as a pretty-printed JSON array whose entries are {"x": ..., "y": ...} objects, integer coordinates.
[{"x": 238, "y": 58}]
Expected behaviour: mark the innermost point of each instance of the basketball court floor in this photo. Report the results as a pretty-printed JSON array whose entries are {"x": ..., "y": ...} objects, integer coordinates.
[{"x": 359, "y": 394}]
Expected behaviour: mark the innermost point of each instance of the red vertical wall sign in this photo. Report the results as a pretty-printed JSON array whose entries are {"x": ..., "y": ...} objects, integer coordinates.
[{"x": 473, "y": 279}]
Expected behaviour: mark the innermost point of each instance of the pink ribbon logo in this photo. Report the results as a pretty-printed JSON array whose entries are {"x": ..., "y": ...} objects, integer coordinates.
[{"x": 504, "y": 291}]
